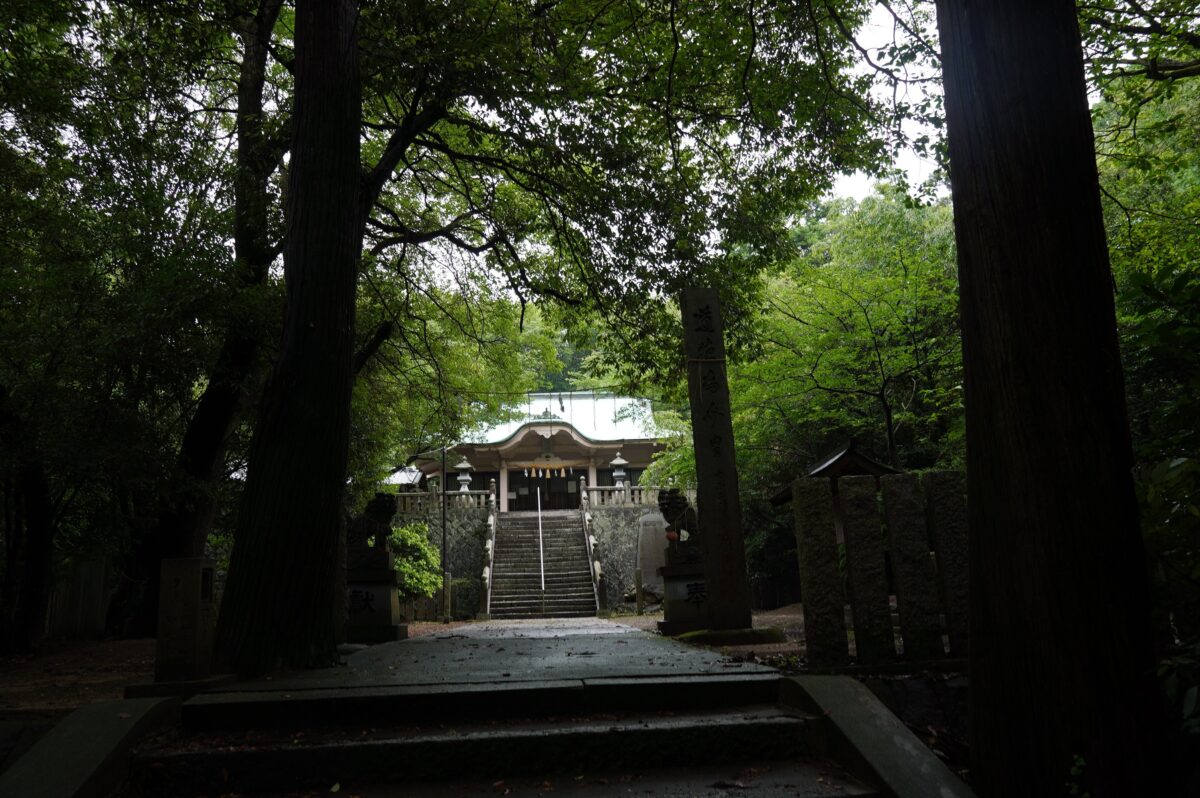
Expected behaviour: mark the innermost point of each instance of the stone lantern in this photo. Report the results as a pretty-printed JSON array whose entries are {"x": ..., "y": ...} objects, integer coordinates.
[
  {"x": 618, "y": 463},
  {"x": 464, "y": 475}
]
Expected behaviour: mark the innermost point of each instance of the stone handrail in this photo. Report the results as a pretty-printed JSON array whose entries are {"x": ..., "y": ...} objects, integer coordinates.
[
  {"x": 593, "y": 548},
  {"x": 490, "y": 547},
  {"x": 605, "y": 496},
  {"x": 636, "y": 495},
  {"x": 431, "y": 500}
]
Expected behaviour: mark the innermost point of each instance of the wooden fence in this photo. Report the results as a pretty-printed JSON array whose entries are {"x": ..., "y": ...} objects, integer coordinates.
[{"x": 873, "y": 544}]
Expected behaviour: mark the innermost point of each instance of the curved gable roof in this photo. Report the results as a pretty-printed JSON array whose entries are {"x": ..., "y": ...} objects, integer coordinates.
[{"x": 594, "y": 417}]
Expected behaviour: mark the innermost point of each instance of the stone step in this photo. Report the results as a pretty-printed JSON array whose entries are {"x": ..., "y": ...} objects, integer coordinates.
[
  {"x": 381, "y": 704},
  {"x": 579, "y": 588},
  {"x": 533, "y": 551},
  {"x": 279, "y": 761},
  {"x": 531, "y": 587},
  {"x": 521, "y": 556},
  {"x": 579, "y": 597},
  {"x": 552, "y": 588},
  {"x": 533, "y": 597},
  {"x": 525, "y": 609},
  {"x": 575, "y": 562},
  {"x": 507, "y": 613},
  {"x": 522, "y": 543},
  {"x": 584, "y": 589},
  {"x": 535, "y": 566},
  {"x": 580, "y": 572},
  {"x": 539, "y": 615},
  {"x": 524, "y": 583},
  {"x": 557, "y": 532}
]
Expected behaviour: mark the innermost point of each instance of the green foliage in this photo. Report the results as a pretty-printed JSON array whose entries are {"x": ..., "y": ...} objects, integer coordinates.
[
  {"x": 116, "y": 260},
  {"x": 416, "y": 561},
  {"x": 859, "y": 340},
  {"x": 1139, "y": 52},
  {"x": 675, "y": 464},
  {"x": 1077, "y": 778},
  {"x": 605, "y": 157},
  {"x": 1152, "y": 208},
  {"x": 453, "y": 361},
  {"x": 1180, "y": 677},
  {"x": 1151, "y": 179}
]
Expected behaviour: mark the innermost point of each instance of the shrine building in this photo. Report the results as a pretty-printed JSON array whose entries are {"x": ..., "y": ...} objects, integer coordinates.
[{"x": 558, "y": 439}]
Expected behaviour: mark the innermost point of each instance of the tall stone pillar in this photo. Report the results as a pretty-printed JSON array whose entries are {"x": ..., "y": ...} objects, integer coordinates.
[{"x": 717, "y": 502}]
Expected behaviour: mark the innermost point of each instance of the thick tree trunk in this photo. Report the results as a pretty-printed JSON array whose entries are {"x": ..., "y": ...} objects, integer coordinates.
[
  {"x": 278, "y": 604},
  {"x": 1061, "y": 659}
]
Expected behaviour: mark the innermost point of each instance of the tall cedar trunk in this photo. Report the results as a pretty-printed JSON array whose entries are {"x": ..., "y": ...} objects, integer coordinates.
[
  {"x": 1061, "y": 659},
  {"x": 278, "y": 605},
  {"x": 189, "y": 501}
]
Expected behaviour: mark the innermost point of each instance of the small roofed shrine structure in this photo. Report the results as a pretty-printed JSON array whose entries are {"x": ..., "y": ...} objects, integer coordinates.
[
  {"x": 556, "y": 439},
  {"x": 847, "y": 461}
]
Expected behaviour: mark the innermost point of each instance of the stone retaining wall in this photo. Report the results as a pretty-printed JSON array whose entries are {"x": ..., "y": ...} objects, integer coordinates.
[
  {"x": 466, "y": 533},
  {"x": 616, "y": 530}
]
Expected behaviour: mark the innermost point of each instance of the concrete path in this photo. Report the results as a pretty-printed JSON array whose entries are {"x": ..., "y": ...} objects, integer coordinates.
[
  {"x": 515, "y": 651},
  {"x": 586, "y": 707}
]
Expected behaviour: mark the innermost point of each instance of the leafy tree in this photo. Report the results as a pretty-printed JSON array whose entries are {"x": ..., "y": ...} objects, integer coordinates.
[
  {"x": 1136, "y": 51},
  {"x": 452, "y": 360},
  {"x": 1151, "y": 180},
  {"x": 112, "y": 289},
  {"x": 857, "y": 339},
  {"x": 487, "y": 137},
  {"x": 860, "y": 339}
]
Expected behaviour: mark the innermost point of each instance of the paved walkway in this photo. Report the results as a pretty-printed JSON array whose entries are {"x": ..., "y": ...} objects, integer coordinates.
[{"x": 515, "y": 651}]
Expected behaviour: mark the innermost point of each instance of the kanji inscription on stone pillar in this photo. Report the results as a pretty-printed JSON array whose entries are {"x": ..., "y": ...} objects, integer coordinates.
[{"x": 718, "y": 508}]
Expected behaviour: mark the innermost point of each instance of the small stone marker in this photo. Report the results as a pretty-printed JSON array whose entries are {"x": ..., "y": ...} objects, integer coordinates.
[
  {"x": 187, "y": 619},
  {"x": 946, "y": 497},
  {"x": 650, "y": 552},
  {"x": 372, "y": 599},
  {"x": 874, "y": 640},
  {"x": 912, "y": 567},
  {"x": 718, "y": 505},
  {"x": 820, "y": 579},
  {"x": 685, "y": 589}
]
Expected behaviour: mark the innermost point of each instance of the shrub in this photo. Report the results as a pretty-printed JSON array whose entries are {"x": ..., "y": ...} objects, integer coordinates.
[{"x": 416, "y": 561}]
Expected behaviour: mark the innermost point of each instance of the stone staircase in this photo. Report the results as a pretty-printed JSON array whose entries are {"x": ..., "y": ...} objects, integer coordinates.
[
  {"x": 666, "y": 735},
  {"x": 516, "y": 572}
]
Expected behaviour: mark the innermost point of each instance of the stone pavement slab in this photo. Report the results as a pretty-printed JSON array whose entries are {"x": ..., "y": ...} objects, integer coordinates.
[{"x": 549, "y": 650}]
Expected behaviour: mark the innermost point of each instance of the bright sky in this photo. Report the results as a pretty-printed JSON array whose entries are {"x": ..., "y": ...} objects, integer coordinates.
[
  {"x": 876, "y": 33},
  {"x": 859, "y": 184}
]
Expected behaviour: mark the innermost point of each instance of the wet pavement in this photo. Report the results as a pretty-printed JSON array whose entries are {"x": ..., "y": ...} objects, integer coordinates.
[{"x": 548, "y": 650}]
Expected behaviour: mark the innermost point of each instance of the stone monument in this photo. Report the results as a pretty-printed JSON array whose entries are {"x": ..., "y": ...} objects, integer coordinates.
[
  {"x": 718, "y": 505},
  {"x": 685, "y": 588},
  {"x": 187, "y": 620},
  {"x": 372, "y": 598}
]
